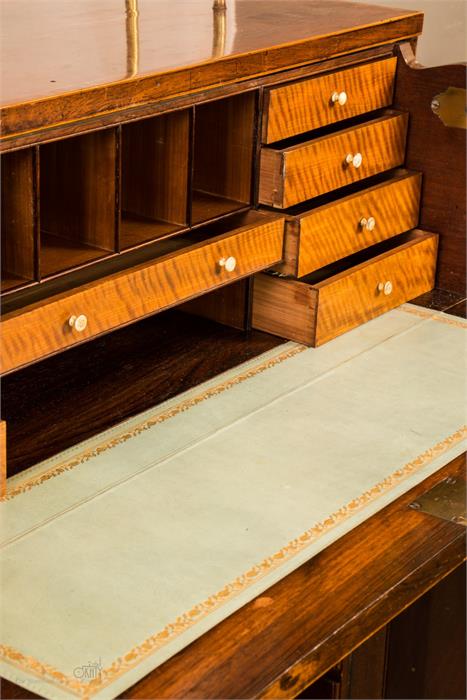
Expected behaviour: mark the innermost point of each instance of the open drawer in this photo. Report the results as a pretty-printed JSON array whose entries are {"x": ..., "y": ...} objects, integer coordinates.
[
  {"x": 333, "y": 300},
  {"x": 294, "y": 172},
  {"x": 188, "y": 266},
  {"x": 319, "y": 235}
]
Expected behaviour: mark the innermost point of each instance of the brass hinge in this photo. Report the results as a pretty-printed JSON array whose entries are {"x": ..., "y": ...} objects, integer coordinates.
[
  {"x": 451, "y": 107},
  {"x": 446, "y": 500}
]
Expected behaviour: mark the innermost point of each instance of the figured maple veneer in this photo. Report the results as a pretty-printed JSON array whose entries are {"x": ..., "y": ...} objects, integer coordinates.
[
  {"x": 306, "y": 104},
  {"x": 333, "y": 231},
  {"x": 293, "y": 174},
  {"x": 315, "y": 310},
  {"x": 43, "y": 328}
]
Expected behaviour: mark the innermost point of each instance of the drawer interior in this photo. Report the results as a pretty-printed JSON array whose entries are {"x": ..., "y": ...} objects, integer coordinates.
[
  {"x": 78, "y": 191},
  {"x": 223, "y": 156},
  {"x": 18, "y": 219}
]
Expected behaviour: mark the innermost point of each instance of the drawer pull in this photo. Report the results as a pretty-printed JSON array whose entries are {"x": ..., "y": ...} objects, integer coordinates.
[
  {"x": 385, "y": 287},
  {"x": 78, "y": 323},
  {"x": 228, "y": 264},
  {"x": 368, "y": 224},
  {"x": 339, "y": 98},
  {"x": 355, "y": 160}
]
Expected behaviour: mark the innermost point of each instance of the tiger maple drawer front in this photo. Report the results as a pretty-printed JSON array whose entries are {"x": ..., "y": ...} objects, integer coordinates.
[
  {"x": 66, "y": 319},
  {"x": 309, "y": 104},
  {"x": 302, "y": 171},
  {"x": 334, "y": 231},
  {"x": 313, "y": 313}
]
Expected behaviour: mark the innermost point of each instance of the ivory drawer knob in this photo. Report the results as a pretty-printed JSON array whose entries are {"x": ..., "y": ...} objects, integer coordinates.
[
  {"x": 368, "y": 224},
  {"x": 354, "y": 159},
  {"x": 228, "y": 264},
  {"x": 339, "y": 98},
  {"x": 385, "y": 287},
  {"x": 78, "y": 323}
]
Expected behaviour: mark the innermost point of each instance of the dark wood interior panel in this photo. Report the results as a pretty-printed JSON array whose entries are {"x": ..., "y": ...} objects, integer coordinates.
[
  {"x": 18, "y": 190},
  {"x": 155, "y": 164},
  {"x": 438, "y": 151},
  {"x": 78, "y": 198},
  {"x": 223, "y": 153}
]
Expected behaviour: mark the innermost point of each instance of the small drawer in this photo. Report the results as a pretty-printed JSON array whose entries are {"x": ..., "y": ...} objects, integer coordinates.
[
  {"x": 310, "y": 104},
  {"x": 320, "y": 236},
  {"x": 197, "y": 263},
  {"x": 295, "y": 173},
  {"x": 324, "y": 305}
]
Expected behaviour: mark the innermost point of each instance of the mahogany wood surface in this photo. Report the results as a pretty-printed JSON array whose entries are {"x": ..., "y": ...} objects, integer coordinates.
[
  {"x": 223, "y": 152},
  {"x": 175, "y": 50},
  {"x": 427, "y": 644},
  {"x": 306, "y": 104},
  {"x": 155, "y": 170},
  {"x": 295, "y": 173},
  {"x": 314, "y": 312},
  {"x": 126, "y": 296},
  {"x": 333, "y": 231},
  {"x": 18, "y": 218},
  {"x": 78, "y": 195},
  {"x": 440, "y": 152}
]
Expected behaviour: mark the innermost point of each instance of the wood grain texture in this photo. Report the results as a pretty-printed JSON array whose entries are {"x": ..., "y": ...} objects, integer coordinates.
[
  {"x": 439, "y": 152},
  {"x": 333, "y": 231},
  {"x": 306, "y": 104},
  {"x": 223, "y": 152},
  {"x": 227, "y": 305},
  {"x": 296, "y": 173},
  {"x": 426, "y": 644},
  {"x": 349, "y": 299},
  {"x": 68, "y": 82},
  {"x": 78, "y": 195},
  {"x": 123, "y": 297},
  {"x": 314, "y": 313},
  {"x": 18, "y": 197},
  {"x": 167, "y": 103},
  {"x": 155, "y": 167},
  {"x": 96, "y": 385}
]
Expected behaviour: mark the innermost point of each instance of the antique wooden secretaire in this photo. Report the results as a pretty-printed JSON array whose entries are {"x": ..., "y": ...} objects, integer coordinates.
[{"x": 232, "y": 286}]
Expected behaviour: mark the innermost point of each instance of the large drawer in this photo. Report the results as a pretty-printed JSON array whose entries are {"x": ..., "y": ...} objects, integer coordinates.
[
  {"x": 66, "y": 319},
  {"x": 295, "y": 173},
  {"x": 315, "y": 102},
  {"x": 320, "y": 236},
  {"x": 324, "y": 305}
]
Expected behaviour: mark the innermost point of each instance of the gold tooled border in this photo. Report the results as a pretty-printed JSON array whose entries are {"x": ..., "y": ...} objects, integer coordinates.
[
  {"x": 184, "y": 405},
  {"x": 150, "y": 645},
  {"x": 422, "y": 312}
]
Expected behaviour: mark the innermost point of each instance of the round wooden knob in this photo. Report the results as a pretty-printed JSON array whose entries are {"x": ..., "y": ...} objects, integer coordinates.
[
  {"x": 368, "y": 224},
  {"x": 78, "y": 323},
  {"x": 385, "y": 287},
  {"x": 228, "y": 264},
  {"x": 354, "y": 159},
  {"x": 339, "y": 98}
]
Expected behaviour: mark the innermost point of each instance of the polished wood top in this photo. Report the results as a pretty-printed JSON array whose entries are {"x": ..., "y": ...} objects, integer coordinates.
[{"x": 51, "y": 48}]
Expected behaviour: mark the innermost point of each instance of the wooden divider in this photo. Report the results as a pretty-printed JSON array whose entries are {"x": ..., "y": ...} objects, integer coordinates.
[{"x": 18, "y": 218}]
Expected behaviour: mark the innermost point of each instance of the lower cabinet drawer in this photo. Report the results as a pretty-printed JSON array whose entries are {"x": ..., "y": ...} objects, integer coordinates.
[
  {"x": 330, "y": 232},
  {"x": 332, "y": 301},
  {"x": 63, "y": 320}
]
